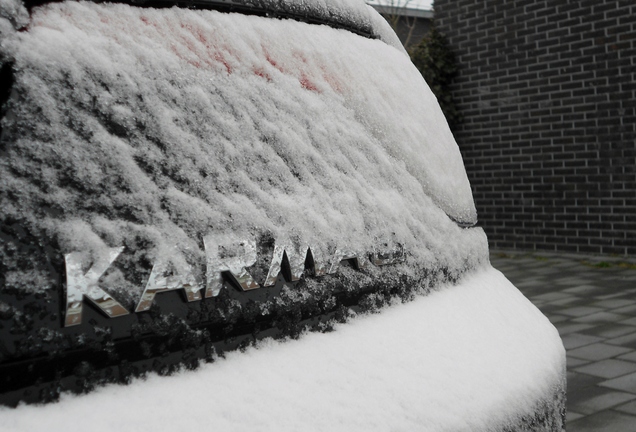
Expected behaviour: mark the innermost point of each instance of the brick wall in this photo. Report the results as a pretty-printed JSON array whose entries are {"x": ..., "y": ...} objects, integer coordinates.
[{"x": 548, "y": 91}]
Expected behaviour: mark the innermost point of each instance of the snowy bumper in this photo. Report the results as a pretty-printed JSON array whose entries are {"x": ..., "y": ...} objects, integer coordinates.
[
  {"x": 472, "y": 357},
  {"x": 177, "y": 184}
]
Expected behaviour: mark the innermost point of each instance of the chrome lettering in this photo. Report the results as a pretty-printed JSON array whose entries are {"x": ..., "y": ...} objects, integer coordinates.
[
  {"x": 297, "y": 257},
  {"x": 160, "y": 281},
  {"x": 347, "y": 254},
  {"x": 386, "y": 256},
  {"x": 226, "y": 254},
  {"x": 80, "y": 285}
]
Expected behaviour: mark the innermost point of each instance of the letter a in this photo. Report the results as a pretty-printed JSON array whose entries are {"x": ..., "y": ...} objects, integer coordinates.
[{"x": 158, "y": 282}]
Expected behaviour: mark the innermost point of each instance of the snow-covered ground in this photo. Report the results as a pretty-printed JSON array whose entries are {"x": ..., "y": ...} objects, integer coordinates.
[{"x": 471, "y": 357}]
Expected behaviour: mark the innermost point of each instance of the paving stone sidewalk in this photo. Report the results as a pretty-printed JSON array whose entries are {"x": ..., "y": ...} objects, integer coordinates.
[{"x": 592, "y": 302}]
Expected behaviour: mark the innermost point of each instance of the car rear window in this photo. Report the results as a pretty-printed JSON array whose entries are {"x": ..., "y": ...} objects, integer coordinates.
[{"x": 151, "y": 128}]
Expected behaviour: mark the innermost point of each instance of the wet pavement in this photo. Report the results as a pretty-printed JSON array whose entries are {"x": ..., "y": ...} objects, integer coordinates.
[{"x": 591, "y": 300}]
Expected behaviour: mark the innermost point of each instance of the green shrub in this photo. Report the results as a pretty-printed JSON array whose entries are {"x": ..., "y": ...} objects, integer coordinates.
[{"x": 438, "y": 65}]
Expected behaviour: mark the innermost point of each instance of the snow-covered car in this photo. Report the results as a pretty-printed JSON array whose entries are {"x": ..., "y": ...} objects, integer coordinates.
[{"x": 261, "y": 199}]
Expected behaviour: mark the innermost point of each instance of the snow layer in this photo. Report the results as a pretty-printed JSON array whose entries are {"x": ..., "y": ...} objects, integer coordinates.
[
  {"x": 154, "y": 128},
  {"x": 15, "y": 13},
  {"x": 471, "y": 357},
  {"x": 350, "y": 13}
]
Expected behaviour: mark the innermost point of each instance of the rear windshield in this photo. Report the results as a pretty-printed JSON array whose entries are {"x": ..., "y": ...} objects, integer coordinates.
[{"x": 154, "y": 127}]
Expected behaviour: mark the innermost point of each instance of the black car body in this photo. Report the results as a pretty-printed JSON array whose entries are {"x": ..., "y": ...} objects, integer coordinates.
[{"x": 180, "y": 179}]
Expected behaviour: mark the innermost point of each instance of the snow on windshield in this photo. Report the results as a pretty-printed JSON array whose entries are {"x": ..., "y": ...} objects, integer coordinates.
[
  {"x": 153, "y": 128},
  {"x": 348, "y": 13}
]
